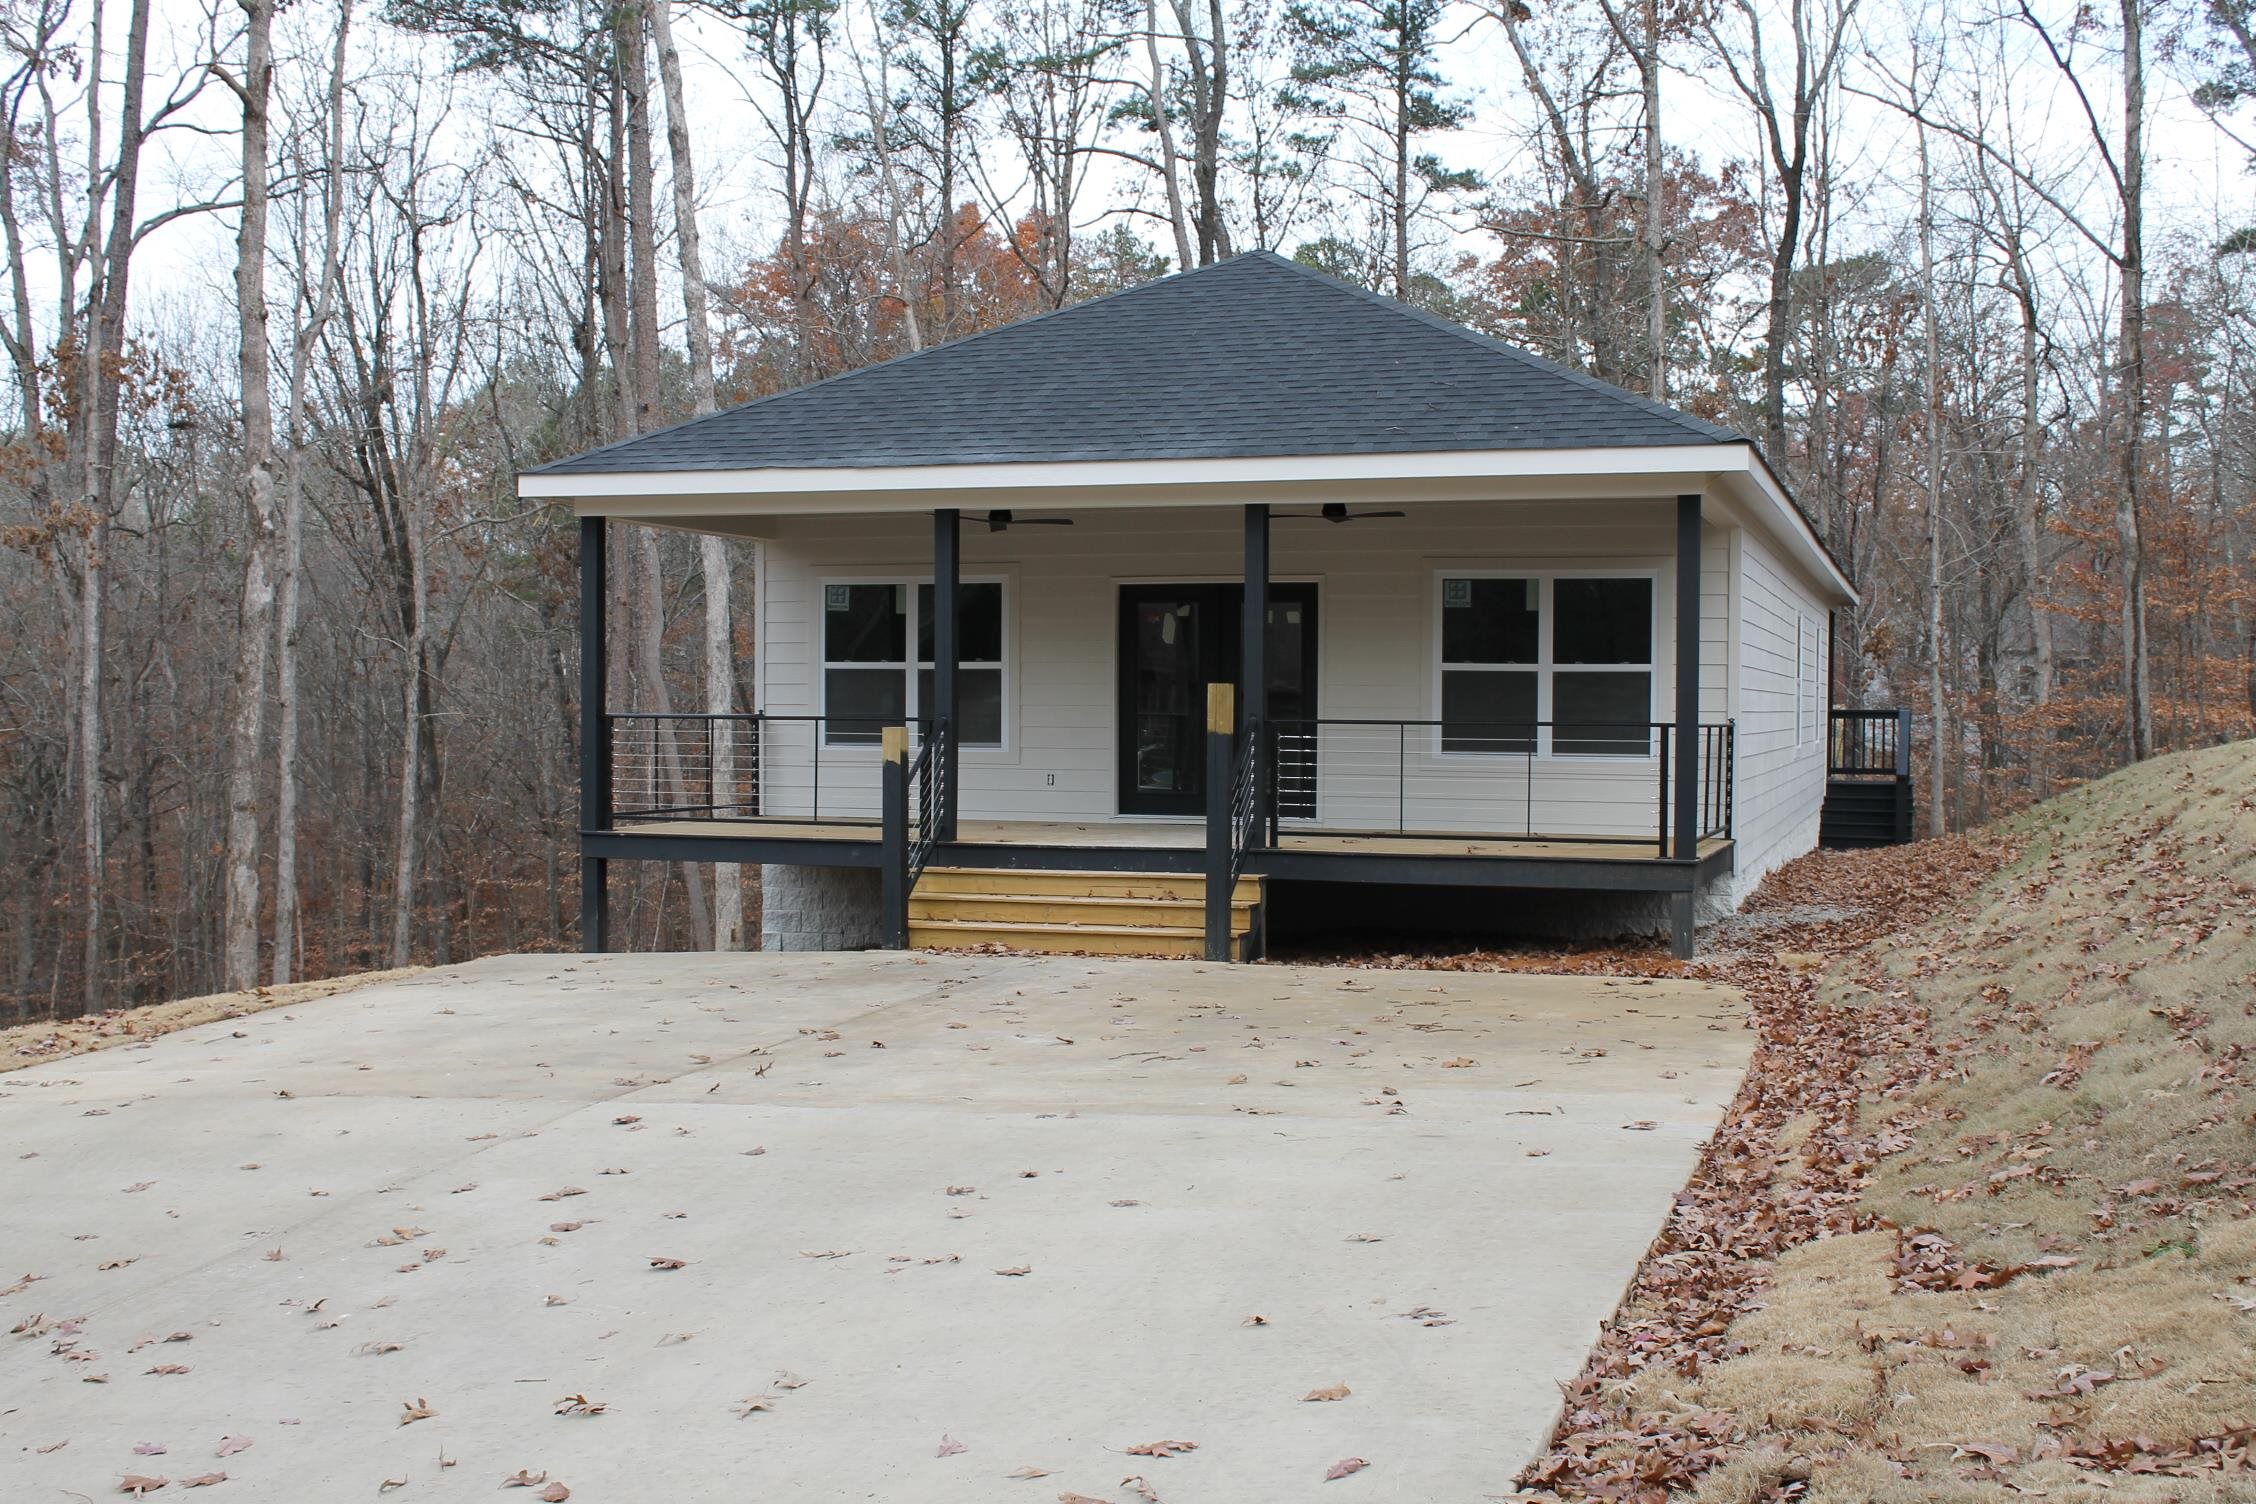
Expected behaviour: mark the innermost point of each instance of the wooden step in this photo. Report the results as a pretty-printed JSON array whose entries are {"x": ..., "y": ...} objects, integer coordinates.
[
  {"x": 1103, "y": 913},
  {"x": 1177, "y": 885},
  {"x": 1074, "y": 911},
  {"x": 1099, "y": 939}
]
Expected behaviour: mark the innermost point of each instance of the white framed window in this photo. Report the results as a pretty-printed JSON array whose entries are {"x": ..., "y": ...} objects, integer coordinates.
[
  {"x": 1558, "y": 664},
  {"x": 877, "y": 644}
]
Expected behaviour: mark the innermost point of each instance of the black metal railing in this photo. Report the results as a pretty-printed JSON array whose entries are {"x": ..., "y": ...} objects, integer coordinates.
[
  {"x": 1863, "y": 743},
  {"x": 684, "y": 766},
  {"x": 926, "y": 809},
  {"x": 1576, "y": 780},
  {"x": 1249, "y": 812},
  {"x": 692, "y": 766}
]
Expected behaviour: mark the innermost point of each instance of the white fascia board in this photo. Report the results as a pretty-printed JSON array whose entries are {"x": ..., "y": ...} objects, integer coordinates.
[
  {"x": 1191, "y": 482},
  {"x": 698, "y": 499}
]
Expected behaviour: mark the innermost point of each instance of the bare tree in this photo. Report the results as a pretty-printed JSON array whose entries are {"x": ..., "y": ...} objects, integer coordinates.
[
  {"x": 256, "y": 614},
  {"x": 313, "y": 306},
  {"x": 713, "y": 556},
  {"x": 1816, "y": 33}
]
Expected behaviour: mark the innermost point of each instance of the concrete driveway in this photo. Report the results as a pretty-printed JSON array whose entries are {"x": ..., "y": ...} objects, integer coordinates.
[{"x": 939, "y": 1222}]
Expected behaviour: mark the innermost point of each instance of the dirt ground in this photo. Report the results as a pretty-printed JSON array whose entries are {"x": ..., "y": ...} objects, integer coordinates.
[
  {"x": 24, "y": 1044},
  {"x": 1979, "y": 1227}
]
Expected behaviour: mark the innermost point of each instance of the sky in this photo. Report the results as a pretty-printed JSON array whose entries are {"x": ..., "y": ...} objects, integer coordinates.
[{"x": 2196, "y": 176}]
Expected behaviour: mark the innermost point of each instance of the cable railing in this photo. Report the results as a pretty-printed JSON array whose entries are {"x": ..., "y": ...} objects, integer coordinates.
[
  {"x": 925, "y": 798},
  {"x": 1248, "y": 814},
  {"x": 691, "y": 766},
  {"x": 1552, "y": 780}
]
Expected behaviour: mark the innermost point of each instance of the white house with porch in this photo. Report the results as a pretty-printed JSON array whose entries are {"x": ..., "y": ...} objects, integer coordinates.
[{"x": 1131, "y": 626}]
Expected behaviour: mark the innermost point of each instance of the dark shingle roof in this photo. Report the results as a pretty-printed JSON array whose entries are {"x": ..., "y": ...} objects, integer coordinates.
[{"x": 1256, "y": 355}]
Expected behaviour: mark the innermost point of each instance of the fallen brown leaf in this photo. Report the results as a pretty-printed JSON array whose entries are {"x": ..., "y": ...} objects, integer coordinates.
[
  {"x": 1329, "y": 1392},
  {"x": 419, "y": 1410},
  {"x": 1343, "y": 1467},
  {"x": 1162, "y": 1448}
]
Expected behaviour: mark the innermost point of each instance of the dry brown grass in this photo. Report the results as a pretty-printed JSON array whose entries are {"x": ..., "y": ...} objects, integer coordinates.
[
  {"x": 2047, "y": 1286},
  {"x": 28, "y": 1044}
]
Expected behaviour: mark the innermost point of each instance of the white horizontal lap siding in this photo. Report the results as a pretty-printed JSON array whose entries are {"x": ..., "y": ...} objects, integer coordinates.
[
  {"x": 1376, "y": 583},
  {"x": 1781, "y": 752}
]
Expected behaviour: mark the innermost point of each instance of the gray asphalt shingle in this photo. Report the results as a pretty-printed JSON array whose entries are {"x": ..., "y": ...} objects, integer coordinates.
[{"x": 1256, "y": 355}]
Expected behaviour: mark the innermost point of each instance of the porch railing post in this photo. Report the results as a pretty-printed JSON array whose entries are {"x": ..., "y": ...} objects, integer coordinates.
[
  {"x": 1221, "y": 714},
  {"x": 1662, "y": 805},
  {"x": 595, "y": 734},
  {"x": 893, "y": 871}
]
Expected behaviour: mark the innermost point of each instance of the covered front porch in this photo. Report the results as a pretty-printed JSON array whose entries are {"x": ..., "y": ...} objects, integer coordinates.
[{"x": 1229, "y": 765}]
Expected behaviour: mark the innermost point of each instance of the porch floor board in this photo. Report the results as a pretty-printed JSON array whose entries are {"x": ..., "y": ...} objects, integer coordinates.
[{"x": 1184, "y": 835}]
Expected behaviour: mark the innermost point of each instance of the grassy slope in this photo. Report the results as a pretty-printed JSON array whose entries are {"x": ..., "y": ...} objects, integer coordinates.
[{"x": 2055, "y": 1287}]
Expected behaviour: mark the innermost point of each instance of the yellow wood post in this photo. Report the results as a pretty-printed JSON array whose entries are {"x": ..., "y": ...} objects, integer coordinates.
[
  {"x": 893, "y": 855},
  {"x": 1222, "y": 708}
]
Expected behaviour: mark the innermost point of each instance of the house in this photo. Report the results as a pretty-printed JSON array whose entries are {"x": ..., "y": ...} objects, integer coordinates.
[{"x": 1131, "y": 625}]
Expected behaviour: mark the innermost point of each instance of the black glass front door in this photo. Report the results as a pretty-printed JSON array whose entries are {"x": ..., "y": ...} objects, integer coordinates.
[{"x": 1174, "y": 641}]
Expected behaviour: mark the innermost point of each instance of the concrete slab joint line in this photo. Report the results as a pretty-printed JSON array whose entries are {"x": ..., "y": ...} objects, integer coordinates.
[{"x": 467, "y": 1190}]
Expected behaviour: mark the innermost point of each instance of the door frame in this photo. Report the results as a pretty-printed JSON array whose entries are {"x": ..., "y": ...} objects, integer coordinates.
[{"x": 1220, "y": 656}]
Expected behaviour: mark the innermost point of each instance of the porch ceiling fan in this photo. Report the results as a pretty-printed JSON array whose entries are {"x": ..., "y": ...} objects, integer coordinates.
[
  {"x": 1001, "y": 521},
  {"x": 1336, "y": 511}
]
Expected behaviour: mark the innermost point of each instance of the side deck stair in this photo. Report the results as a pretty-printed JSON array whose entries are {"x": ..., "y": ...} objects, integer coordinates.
[
  {"x": 1104, "y": 913},
  {"x": 1866, "y": 812}
]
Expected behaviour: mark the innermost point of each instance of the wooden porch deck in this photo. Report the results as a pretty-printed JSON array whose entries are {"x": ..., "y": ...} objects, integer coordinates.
[{"x": 1181, "y": 835}]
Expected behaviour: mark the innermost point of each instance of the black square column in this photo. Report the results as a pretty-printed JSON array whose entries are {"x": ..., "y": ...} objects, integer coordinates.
[
  {"x": 1686, "y": 842},
  {"x": 1253, "y": 701},
  {"x": 595, "y": 738},
  {"x": 947, "y": 652}
]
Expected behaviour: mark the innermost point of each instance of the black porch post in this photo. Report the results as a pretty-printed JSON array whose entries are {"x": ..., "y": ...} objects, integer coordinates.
[
  {"x": 947, "y": 652},
  {"x": 1253, "y": 674},
  {"x": 1687, "y": 747},
  {"x": 595, "y": 749}
]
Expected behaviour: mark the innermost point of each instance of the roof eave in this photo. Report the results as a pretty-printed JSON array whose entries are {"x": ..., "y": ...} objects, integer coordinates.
[{"x": 689, "y": 498}]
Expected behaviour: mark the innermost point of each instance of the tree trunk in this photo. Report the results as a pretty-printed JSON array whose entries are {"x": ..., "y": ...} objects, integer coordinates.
[
  {"x": 408, "y": 834},
  {"x": 1170, "y": 173},
  {"x": 239, "y": 948},
  {"x": 284, "y": 962},
  {"x": 649, "y": 629},
  {"x": 642, "y": 217},
  {"x": 2138, "y": 692},
  {"x": 713, "y": 554},
  {"x": 1656, "y": 208},
  {"x": 1941, "y": 762}
]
